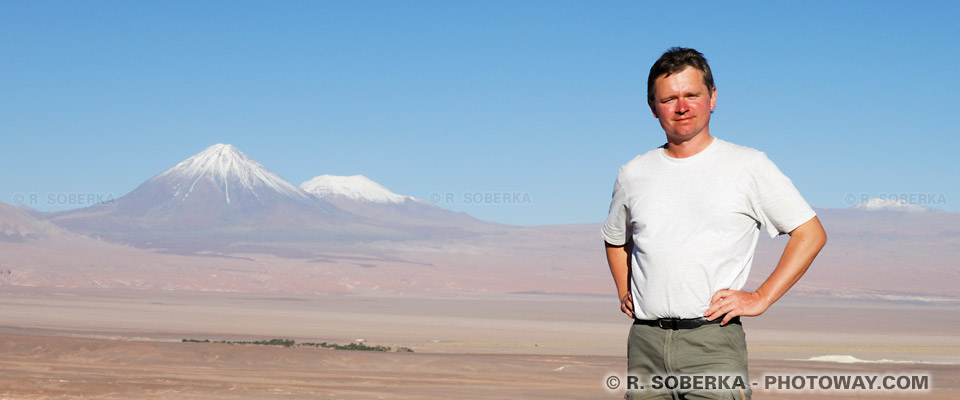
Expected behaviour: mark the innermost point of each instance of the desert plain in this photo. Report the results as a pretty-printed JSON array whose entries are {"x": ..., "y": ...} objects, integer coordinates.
[
  {"x": 502, "y": 313},
  {"x": 59, "y": 343}
]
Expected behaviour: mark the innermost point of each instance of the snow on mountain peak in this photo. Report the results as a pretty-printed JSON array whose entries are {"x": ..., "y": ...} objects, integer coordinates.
[
  {"x": 357, "y": 187},
  {"x": 891, "y": 204},
  {"x": 226, "y": 166}
]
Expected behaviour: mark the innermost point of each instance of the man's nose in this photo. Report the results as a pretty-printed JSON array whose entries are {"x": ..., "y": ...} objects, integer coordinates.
[{"x": 682, "y": 106}]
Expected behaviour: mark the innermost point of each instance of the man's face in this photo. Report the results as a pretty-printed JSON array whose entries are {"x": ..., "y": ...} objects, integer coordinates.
[{"x": 682, "y": 103}]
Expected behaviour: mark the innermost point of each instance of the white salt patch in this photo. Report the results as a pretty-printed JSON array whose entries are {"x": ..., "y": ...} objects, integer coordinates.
[{"x": 848, "y": 359}]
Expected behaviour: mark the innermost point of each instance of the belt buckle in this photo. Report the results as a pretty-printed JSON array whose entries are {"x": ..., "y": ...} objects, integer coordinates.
[{"x": 671, "y": 323}]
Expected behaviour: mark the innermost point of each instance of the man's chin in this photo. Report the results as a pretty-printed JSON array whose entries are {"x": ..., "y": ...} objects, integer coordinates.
[{"x": 679, "y": 137}]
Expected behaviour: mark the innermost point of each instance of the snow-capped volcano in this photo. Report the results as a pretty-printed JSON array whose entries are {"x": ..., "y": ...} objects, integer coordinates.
[
  {"x": 218, "y": 188},
  {"x": 884, "y": 204},
  {"x": 360, "y": 195},
  {"x": 225, "y": 167},
  {"x": 356, "y": 187}
]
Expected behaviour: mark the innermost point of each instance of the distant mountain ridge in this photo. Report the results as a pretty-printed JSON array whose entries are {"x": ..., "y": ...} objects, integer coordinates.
[
  {"x": 873, "y": 255},
  {"x": 221, "y": 192}
]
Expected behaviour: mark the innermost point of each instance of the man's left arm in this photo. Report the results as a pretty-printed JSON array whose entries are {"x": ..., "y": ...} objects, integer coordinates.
[{"x": 804, "y": 245}]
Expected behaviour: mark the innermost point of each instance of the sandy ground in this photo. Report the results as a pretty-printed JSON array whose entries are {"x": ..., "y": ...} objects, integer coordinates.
[{"x": 70, "y": 343}]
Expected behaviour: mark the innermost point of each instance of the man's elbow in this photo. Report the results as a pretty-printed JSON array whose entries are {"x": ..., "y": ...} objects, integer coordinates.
[
  {"x": 823, "y": 237},
  {"x": 811, "y": 232},
  {"x": 818, "y": 236}
]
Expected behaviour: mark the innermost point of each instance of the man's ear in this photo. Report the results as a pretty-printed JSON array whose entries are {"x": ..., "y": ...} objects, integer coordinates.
[
  {"x": 713, "y": 99},
  {"x": 654, "y": 110}
]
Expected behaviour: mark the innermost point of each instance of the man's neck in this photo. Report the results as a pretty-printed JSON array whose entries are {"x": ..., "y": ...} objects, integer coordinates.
[{"x": 689, "y": 147}]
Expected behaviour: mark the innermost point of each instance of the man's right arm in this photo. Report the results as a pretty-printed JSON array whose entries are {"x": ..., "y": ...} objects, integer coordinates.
[{"x": 618, "y": 259}]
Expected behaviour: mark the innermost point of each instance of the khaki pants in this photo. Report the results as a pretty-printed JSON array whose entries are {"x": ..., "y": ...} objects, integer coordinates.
[{"x": 661, "y": 359}]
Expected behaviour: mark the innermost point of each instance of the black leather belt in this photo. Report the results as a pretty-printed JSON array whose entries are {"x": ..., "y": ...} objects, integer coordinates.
[{"x": 682, "y": 323}]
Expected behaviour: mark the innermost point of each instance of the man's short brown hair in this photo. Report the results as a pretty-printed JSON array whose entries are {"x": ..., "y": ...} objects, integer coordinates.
[{"x": 677, "y": 59}]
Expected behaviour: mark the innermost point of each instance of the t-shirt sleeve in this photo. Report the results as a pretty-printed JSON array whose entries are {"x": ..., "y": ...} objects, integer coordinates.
[
  {"x": 614, "y": 229},
  {"x": 777, "y": 204}
]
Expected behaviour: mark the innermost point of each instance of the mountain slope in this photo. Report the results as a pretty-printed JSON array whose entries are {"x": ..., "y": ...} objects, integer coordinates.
[{"x": 17, "y": 225}]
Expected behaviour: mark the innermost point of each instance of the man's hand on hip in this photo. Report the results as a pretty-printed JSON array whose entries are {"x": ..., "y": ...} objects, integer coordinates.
[
  {"x": 804, "y": 245},
  {"x": 728, "y": 304},
  {"x": 626, "y": 304}
]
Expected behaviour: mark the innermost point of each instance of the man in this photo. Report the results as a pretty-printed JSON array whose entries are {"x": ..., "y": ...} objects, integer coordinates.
[{"x": 680, "y": 237}]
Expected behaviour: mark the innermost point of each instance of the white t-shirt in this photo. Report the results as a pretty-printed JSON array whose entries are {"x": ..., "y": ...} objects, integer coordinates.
[{"x": 695, "y": 222}]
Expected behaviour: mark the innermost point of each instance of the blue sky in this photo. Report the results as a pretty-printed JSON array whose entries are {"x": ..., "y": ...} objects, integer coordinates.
[{"x": 542, "y": 101}]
